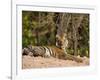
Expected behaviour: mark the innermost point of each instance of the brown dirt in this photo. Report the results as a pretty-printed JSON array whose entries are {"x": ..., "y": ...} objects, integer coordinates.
[{"x": 40, "y": 62}]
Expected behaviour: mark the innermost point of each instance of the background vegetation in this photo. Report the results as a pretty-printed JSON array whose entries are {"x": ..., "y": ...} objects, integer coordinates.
[{"x": 40, "y": 28}]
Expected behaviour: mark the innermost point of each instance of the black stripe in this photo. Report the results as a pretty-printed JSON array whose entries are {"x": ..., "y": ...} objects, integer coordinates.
[
  {"x": 53, "y": 53},
  {"x": 43, "y": 48},
  {"x": 49, "y": 50}
]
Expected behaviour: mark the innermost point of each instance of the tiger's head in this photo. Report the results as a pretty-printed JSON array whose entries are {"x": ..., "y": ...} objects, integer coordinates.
[{"x": 61, "y": 41}]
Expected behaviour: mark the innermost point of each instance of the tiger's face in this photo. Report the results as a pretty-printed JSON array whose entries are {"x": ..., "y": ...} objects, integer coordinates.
[{"x": 61, "y": 42}]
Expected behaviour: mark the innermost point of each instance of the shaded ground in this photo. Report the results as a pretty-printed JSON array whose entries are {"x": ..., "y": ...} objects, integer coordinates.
[{"x": 40, "y": 62}]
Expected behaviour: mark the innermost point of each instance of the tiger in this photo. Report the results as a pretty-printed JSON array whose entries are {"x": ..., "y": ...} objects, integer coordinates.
[{"x": 49, "y": 51}]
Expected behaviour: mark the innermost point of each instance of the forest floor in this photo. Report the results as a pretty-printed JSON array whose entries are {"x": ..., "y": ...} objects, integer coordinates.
[{"x": 29, "y": 62}]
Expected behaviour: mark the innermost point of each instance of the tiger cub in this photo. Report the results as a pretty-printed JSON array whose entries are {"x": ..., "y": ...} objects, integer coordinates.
[{"x": 49, "y": 51}]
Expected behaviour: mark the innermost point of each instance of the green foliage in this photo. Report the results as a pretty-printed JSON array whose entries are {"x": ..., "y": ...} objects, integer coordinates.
[{"x": 37, "y": 28}]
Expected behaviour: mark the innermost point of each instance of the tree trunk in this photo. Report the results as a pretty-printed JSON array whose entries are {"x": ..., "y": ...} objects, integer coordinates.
[{"x": 75, "y": 26}]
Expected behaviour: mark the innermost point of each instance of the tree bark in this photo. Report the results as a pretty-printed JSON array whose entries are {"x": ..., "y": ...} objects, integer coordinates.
[{"x": 75, "y": 26}]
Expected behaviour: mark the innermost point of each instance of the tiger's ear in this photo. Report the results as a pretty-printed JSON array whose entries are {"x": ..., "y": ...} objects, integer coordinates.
[{"x": 57, "y": 37}]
